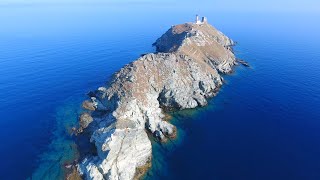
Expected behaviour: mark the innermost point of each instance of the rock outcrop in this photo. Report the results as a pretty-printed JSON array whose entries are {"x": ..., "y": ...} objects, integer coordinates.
[
  {"x": 183, "y": 73},
  {"x": 201, "y": 43}
]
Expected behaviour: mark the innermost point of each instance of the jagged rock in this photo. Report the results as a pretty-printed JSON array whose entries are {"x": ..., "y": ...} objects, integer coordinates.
[
  {"x": 182, "y": 74},
  {"x": 119, "y": 151},
  {"x": 98, "y": 105}
]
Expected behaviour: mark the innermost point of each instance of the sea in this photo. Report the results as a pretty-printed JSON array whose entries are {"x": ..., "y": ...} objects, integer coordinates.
[{"x": 264, "y": 124}]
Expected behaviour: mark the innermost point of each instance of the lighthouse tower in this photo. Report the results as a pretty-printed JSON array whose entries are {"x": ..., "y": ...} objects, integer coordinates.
[
  {"x": 204, "y": 20},
  {"x": 197, "y": 20}
]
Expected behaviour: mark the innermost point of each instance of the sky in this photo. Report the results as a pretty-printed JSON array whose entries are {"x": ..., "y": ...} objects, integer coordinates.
[{"x": 217, "y": 5}]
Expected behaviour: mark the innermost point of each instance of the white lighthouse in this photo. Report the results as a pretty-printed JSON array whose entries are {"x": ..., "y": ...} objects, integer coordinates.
[
  {"x": 204, "y": 20},
  {"x": 197, "y": 20}
]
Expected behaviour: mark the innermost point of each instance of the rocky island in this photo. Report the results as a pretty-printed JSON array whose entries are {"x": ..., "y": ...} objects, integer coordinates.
[{"x": 121, "y": 115}]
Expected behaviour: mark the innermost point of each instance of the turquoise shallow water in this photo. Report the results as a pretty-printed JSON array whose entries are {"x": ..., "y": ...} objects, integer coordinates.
[{"x": 262, "y": 125}]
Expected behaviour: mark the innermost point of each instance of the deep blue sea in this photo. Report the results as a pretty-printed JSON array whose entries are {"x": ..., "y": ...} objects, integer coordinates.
[{"x": 264, "y": 123}]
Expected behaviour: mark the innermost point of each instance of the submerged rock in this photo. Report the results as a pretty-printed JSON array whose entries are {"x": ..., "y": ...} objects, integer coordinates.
[
  {"x": 243, "y": 62},
  {"x": 88, "y": 105},
  {"x": 85, "y": 120},
  {"x": 181, "y": 75}
]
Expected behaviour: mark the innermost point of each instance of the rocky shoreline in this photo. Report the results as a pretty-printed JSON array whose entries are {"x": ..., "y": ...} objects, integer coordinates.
[{"x": 182, "y": 74}]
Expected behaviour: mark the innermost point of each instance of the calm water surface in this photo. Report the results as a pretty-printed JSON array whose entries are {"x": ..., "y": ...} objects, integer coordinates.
[{"x": 264, "y": 124}]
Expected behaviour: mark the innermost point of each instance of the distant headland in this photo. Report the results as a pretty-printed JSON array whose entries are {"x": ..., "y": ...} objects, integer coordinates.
[{"x": 183, "y": 73}]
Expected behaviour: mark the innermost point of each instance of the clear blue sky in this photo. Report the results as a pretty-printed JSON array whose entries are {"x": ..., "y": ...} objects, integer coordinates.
[{"x": 217, "y": 5}]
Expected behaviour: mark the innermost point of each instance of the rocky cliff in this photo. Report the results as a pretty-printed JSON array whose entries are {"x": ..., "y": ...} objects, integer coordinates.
[{"x": 182, "y": 74}]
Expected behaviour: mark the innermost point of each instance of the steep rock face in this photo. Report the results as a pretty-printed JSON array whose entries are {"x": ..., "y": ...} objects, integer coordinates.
[{"x": 133, "y": 103}]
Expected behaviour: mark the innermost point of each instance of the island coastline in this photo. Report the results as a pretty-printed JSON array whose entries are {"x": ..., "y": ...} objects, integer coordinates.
[{"x": 200, "y": 51}]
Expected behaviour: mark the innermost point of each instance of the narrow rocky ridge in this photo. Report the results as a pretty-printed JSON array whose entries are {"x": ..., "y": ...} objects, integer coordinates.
[{"x": 182, "y": 74}]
